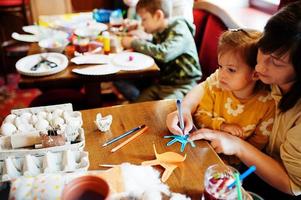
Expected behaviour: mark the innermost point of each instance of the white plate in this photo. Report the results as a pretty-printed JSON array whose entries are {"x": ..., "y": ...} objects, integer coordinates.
[
  {"x": 130, "y": 61},
  {"x": 25, "y": 64},
  {"x": 34, "y": 29},
  {"x": 25, "y": 37},
  {"x": 91, "y": 59},
  {"x": 97, "y": 70}
]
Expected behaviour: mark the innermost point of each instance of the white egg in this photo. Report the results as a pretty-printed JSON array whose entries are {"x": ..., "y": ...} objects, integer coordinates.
[
  {"x": 42, "y": 124},
  {"x": 66, "y": 115},
  {"x": 10, "y": 118},
  {"x": 25, "y": 116},
  {"x": 33, "y": 119},
  {"x": 23, "y": 126},
  {"x": 8, "y": 129},
  {"x": 41, "y": 114},
  {"x": 58, "y": 112},
  {"x": 49, "y": 117},
  {"x": 58, "y": 121}
]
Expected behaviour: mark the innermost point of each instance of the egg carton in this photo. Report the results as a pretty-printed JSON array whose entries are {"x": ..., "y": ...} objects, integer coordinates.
[
  {"x": 38, "y": 119},
  {"x": 6, "y": 149},
  {"x": 31, "y": 165}
]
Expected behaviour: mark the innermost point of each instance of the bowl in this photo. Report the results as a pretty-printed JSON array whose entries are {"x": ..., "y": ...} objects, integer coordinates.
[
  {"x": 53, "y": 44},
  {"x": 86, "y": 187}
]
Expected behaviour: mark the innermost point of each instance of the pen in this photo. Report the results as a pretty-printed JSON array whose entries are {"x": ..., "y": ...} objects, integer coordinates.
[
  {"x": 129, "y": 139},
  {"x": 123, "y": 135},
  {"x": 179, "y": 107}
]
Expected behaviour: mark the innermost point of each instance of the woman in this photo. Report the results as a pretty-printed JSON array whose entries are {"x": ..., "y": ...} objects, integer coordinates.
[{"x": 278, "y": 65}]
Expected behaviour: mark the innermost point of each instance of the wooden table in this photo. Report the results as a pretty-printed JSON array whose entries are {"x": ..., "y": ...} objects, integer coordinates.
[
  {"x": 92, "y": 84},
  {"x": 187, "y": 179}
]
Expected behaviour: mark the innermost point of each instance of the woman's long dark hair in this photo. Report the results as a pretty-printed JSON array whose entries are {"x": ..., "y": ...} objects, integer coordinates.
[{"x": 282, "y": 34}]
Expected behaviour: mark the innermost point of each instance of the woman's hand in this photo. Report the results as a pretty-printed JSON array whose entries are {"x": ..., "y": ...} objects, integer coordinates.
[
  {"x": 172, "y": 122},
  {"x": 220, "y": 141}
]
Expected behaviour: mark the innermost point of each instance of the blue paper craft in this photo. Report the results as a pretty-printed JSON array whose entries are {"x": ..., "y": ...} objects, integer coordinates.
[{"x": 181, "y": 139}]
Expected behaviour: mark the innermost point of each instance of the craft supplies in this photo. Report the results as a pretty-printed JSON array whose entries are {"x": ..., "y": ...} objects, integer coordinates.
[
  {"x": 181, "y": 139},
  {"x": 106, "y": 42},
  {"x": 129, "y": 139},
  {"x": 168, "y": 160},
  {"x": 180, "y": 115},
  {"x": 103, "y": 123},
  {"x": 123, "y": 135}
]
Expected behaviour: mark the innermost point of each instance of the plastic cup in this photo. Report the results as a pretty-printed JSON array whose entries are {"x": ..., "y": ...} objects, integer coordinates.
[
  {"x": 86, "y": 187},
  {"x": 217, "y": 180}
]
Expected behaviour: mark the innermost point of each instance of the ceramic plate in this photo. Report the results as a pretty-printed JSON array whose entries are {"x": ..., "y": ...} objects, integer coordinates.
[
  {"x": 91, "y": 59},
  {"x": 132, "y": 61},
  {"x": 25, "y": 64},
  {"x": 97, "y": 70},
  {"x": 25, "y": 37}
]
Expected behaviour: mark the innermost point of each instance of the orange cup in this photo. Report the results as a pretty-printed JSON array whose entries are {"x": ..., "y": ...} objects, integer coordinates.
[{"x": 86, "y": 187}]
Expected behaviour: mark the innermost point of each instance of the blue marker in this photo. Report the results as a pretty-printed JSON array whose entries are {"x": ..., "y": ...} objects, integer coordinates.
[{"x": 180, "y": 112}]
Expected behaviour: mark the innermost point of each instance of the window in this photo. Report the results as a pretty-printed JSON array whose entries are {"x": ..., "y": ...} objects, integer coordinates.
[{"x": 268, "y": 6}]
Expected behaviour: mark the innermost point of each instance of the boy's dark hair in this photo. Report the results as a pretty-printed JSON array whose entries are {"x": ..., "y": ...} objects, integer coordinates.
[
  {"x": 282, "y": 34},
  {"x": 242, "y": 42},
  {"x": 153, "y": 5}
]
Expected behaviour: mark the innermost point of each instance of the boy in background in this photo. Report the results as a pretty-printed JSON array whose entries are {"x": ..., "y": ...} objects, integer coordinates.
[{"x": 173, "y": 49}]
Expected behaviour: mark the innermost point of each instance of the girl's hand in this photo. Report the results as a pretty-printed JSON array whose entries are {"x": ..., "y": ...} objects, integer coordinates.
[
  {"x": 233, "y": 129},
  {"x": 220, "y": 141},
  {"x": 172, "y": 122}
]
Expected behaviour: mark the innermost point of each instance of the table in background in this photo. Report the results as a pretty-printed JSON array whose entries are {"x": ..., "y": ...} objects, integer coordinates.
[
  {"x": 92, "y": 84},
  {"x": 187, "y": 179}
]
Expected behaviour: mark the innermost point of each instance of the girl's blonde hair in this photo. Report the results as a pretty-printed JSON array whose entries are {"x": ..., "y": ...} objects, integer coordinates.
[{"x": 243, "y": 42}]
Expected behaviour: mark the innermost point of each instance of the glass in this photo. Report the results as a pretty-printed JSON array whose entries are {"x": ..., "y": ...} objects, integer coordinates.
[
  {"x": 116, "y": 18},
  {"x": 217, "y": 179}
]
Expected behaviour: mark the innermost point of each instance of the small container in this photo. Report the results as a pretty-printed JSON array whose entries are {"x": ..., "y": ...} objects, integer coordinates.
[
  {"x": 86, "y": 187},
  {"x": 106, "y": 42},
  {"x": 81, "y": 45}
]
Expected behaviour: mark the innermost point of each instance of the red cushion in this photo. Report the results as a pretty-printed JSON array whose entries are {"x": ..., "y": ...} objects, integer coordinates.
[
  {"x": 199, "y": 19},
  {"x": 12, "y": 2},
  {"x": 208, "y": 49}
]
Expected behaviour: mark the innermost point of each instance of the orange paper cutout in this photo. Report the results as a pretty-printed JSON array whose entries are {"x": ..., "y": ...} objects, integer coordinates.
[{"x": 168, "y": 160}]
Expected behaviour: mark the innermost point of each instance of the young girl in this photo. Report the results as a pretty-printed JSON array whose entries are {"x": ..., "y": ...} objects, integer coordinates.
[
  {"x": 228, "y": 103},
  {"x": 278, "y": 65}
]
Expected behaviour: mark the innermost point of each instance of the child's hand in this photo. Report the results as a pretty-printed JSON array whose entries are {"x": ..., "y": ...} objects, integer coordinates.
[
  {"x": 127, "y": 41},
  {"x": 140, "y": 34},
  {"x": 172, "y": 122},
  {"x": 233, "y": 129}
]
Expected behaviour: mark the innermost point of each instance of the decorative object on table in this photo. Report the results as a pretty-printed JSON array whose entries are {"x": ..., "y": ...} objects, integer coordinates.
[
  {"x": 123, "y": 135},
  {"x": 103, "y": 123},
  {"x": 51, "y": 162},
  {"x": 81, "y": 44},
  {"x": 86, "y": 187},
  {"x": 168, "y": 160},
  {"x": 21, "y": 129},
  {"x": 183, "y": 139},
  {"x": 129, "y": 61},
  {"x": 42, "y": 64},
  {"x": 129, "y": 139}
]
